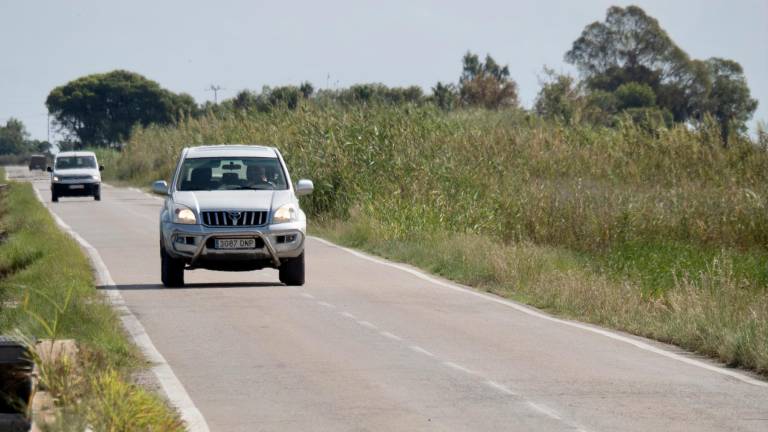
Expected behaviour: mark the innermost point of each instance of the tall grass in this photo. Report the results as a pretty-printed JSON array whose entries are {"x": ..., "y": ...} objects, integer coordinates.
[
  {"x": 614, "y": 199},
  {"x": 47, "y": 291}
]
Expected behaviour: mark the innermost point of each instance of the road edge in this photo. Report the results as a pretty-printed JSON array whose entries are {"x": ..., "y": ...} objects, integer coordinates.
[
  {"x": 635, "y": 341},
  {"x": 172, "y": 387}
]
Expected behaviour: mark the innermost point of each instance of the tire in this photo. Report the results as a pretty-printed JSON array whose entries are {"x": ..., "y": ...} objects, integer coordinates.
[
  {"x": 54, "y": 196},
  {"x": 292, "y": 271},
  {"x": 171, "y": 270},
  {"x": 97, "y": 193}
]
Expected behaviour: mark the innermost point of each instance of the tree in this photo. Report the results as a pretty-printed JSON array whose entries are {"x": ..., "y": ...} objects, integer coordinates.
[
  {"x": 13, "y": 138},
  {"x": 629, "y": 40},
  {"x": 486, "y": 83},
  {"x": 559, "y": 98},
  {"x": 729, "y": 99},
  {"x": 245, "y": 100},
  {"x": 307, "y": 89},
  {"x": 631, "y": 46},
  {"x": 635, "y": 95},
  {"x": 444, "y": 96},
  {"x": 101, "y": 109}
]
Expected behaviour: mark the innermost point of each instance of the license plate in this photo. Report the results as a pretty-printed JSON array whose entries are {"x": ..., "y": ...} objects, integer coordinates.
[
  {"x": 243, "y": 243},
  {"x": 77, "y": 186}
]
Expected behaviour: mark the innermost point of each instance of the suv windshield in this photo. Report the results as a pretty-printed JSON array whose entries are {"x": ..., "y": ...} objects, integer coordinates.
[
  {"x": 70, "y": 162},
  {"x": 226, "y": 173}
]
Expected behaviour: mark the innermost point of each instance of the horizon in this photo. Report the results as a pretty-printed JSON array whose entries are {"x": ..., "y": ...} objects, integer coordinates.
[{"x": 334, "y": 45}]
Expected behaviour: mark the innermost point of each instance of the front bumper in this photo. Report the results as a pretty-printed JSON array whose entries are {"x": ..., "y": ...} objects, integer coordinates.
[
  {"x": 75, "y": 187},
  {"x": 196, "y": 243}
]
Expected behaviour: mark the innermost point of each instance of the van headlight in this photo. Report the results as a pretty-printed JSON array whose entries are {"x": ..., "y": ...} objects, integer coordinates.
[
  {"x": 183, "y": 215},
  {"x": 286, "y": 213},
  {"x": 55, "y": 178}
]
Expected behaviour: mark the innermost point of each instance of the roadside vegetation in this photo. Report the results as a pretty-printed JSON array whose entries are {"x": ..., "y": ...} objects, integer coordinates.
[
  {"x": 630, "y": 197},
  {"x": 47, "y": 292},
  {"x": 662, "y": 233}
]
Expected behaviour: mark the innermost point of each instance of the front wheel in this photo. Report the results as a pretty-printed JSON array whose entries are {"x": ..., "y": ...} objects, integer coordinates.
[
  {"x": 54, "y": 196},
  {"x": 171, "y": 270},
  {"x": 97, "y": 193},
  {"x": 292, "y": 271}
]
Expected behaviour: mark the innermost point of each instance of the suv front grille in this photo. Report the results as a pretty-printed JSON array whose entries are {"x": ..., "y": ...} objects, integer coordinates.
[
  {"x": 234, "y": 218},
  {"x": 74, "y": 177}
]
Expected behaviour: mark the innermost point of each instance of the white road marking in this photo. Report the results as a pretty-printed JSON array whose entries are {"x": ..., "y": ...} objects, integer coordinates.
[
  {"x": 149, "y": 195},
  {"x": 389, "y": 335},
  {"x": 349, "y": 315},
  {"x": 171, "y": 385},
  {"x": 367, "y": 324},
  {"x": 421, "y": 350},
  {"x": 307, "y": 295},
  {"x": 459, "y": 368},
  {"x": 325, "y": 304},
  {"x": 501, "y": 388},
  {"x": 544, "y": 410},
  {"x": 538, "y": 314}
]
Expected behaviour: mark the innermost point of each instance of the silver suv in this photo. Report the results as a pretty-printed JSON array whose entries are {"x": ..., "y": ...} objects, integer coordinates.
[{"x": 232, "y": 208}]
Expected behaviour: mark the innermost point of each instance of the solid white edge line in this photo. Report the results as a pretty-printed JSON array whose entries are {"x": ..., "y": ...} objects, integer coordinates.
[
  {"x": 538, "y": 314},
  {"x": 367, "y": 325},
  {"x": 501, "y": 388},
  {"x": 389, "y": 335},
  {"x": 459, "y": 368},
  {"x": 172, "y": 387},
  {"x": 421, "y": 350},
  {"x": 545, "y": 410}
]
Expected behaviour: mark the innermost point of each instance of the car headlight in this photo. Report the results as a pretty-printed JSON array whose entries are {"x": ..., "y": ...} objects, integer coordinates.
[
  {"x": 55, "y": 178},
  {"x": 183, "y": 215},
  {"x": 95, "y": 177},
  {"x": 286, "y": 213}
]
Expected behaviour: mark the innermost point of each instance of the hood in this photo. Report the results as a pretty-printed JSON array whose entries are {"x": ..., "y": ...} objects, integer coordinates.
[
  {"x": 232, "y": 199},
  {"x": 77, "y": 171}
]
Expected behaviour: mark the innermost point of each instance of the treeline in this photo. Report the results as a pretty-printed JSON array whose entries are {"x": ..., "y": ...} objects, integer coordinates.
[
  {"x": 15, "y": 144},
  {"x": 630, "y": 70}
]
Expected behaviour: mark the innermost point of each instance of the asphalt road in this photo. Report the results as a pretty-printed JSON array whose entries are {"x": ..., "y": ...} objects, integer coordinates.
[{"x": 368, "y": 346}]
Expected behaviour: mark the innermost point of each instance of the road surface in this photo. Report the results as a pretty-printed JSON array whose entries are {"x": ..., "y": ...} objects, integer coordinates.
[{"x": 371, "y": 346}]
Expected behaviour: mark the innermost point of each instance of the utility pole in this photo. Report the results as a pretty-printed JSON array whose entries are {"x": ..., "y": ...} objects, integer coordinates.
[{"x": 215, "y": 89}]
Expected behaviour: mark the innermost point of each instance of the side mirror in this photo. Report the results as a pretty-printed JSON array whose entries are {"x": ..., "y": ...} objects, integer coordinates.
[
  {"x": 304, "y": 187},
  {"x": 160, "y": 187},
  {"x": 49, "y": 169},
  {"x": 101, "y": 167}
]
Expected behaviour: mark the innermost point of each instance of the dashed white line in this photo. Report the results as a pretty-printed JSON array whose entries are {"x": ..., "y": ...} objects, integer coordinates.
[
  {"x": 421, "y": 350},
  {"x": 459, "y": 368},
  {"x": 538, "y": 314},
  {"x": 326, "y": 304},
  {"x": 501, "y": 388},
  {"x": 368, "y": 325},
  {"x": 389, "y": 335},
  {"x": 307, "y": 295},
  {"x": 348, "y": 315},
  {"x": 549, "y": 412}
]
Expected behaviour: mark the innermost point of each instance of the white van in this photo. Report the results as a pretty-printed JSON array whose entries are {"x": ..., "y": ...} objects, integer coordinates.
[{"x": 75, "y": 174}]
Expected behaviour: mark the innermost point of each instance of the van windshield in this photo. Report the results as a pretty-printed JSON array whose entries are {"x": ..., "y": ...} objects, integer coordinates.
[
  {"x": 227, "y": 173},
  {"x": 72, "y": 162}
]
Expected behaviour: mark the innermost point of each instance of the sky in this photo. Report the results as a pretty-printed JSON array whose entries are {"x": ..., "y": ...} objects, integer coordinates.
[{"x": 189, "y": 45}]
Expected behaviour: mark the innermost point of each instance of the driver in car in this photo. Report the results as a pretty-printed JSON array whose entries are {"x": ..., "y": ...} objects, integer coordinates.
[{"x": 256, "y": 175}]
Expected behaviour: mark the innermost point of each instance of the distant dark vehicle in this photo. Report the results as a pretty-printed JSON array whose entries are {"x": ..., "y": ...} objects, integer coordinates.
[{"x": 37, "y": 161}]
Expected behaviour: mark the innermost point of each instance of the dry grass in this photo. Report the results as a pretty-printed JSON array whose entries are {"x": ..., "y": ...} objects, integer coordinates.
[{"x": 662, "y": 233}]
